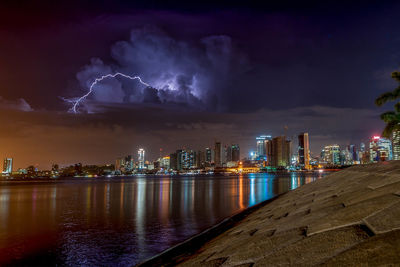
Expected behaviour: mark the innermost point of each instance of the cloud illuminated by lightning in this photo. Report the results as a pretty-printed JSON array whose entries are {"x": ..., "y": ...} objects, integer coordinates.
[{"x": 97, "y": 80}]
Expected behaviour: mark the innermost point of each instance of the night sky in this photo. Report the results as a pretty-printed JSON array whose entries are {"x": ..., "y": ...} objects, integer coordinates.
[{"x": 217, "y": 71}]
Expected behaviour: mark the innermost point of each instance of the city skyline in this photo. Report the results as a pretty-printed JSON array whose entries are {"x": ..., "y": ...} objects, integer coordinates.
[
  {"x": 253, "y": 149},
  {"x": 272, "y": 151}
]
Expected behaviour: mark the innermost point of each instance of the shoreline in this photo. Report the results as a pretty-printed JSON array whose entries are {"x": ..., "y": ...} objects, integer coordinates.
[
  {"x": 171, "y": 175},
  {"x": 183, "y": 250},
  {"x": 351, "y": 217}
]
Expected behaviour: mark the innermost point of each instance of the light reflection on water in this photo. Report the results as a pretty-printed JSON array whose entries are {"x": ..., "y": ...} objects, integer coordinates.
[{"x": 121, "y": 221}]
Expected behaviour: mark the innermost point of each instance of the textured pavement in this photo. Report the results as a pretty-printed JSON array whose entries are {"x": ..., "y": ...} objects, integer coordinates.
[{"x": 351, "y": 217}]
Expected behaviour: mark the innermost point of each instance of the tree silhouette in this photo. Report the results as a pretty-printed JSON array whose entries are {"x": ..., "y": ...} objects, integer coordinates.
[{"x": 391, "y": 118}]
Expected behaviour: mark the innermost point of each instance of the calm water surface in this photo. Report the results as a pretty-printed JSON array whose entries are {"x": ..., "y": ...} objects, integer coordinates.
[{"x": 121, "y": 221}]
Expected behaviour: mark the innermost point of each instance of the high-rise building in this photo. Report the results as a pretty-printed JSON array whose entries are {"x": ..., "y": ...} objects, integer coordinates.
[
  {"x": 331, "y": 154},
  {"x": 380, "y": 149},
  {"x": 217, "y": 154},
  {"x": 261, "y": 142},
  {"x": 362, "y": 147},
  {"x": 396, "y": 144},
  {"x": 235, "y": 150},
  {"x": 304, "y": 151},
  {"x": 141, "y": 158},
  {"x": 228, "y": 152},
  {"x": 346, "y": 157},
  {"x": 186, "y": 159},
  {"x": 268, "y": 147},
  {"x": 165, "y": 163},
  {"x": 209, "y": 156},
  {"x": 281, "y": 151},
  {"x": 363, "y": 155},
  {"x": 173, "y": 161},
  {"x": 200, "y": 159},
  {"x": 8, "y": 166},
  {"x": 129, "y": 163},
  {"x": 233, "y": 153},
  {"x": 224, "y": 155},
  {"x": 354, "y": 153},
  {"x": 119, "y": 164}
]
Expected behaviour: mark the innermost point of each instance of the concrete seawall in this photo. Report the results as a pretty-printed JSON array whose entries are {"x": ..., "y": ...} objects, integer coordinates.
[{"x": 351, "y": 217}]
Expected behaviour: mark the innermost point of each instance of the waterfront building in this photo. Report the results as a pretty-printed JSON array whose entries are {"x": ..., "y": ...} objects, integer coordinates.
[
  {"x": 217, "y": 154},
  {"x": 224, "y": 155},
  {"x": 233, "y": 153},
  {"x": 165, "y": 163},
  {"x": 200, "y": 159},
  {"x": 22, "y": 171},
  {"x": 150, "y": 167},
  {"x": 232, "y": 164},
  {"x": 396, "y": 144},
  {"x": 362, "y": 147},
  {"x": 252, "y": 155},
  {"x": 280, "y": 151},
  {"x": 362, "y": 154},
  {"x": 209, "y": 156},
  {"x": 173, "y": 161},
  {"x": 186, "y": 159},
  {"x": 261, "y": 144},
  {"x": 331, "y": 154},
  {"x": 119, "y": 164},
  {"x": 304, "y": 151},
  {"x": 129, "y": 163},
  {"x": 354, "y": 157},
  {"x": 7, "y": 166},
  {"x": 380, "y": 149},
  {"x": 228, "y": 153},
  {"x": 124, "y": 164},
  {"x": 141, "y": 158},
  {"x": 346, "y": 157}
]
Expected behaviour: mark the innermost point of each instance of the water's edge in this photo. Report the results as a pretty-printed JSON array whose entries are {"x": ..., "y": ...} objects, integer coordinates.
[{"x": 187, "y": 248}]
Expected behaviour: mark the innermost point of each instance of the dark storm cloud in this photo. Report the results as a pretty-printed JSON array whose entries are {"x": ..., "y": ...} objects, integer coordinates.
[
  {"x": 195, "y": 74},
  {"x": 19, "y": 104},
  {"x": 302, "y": 53}
]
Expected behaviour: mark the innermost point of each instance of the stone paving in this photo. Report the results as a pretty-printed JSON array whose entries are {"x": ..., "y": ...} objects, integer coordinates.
[{"x": 351, "y": 217}]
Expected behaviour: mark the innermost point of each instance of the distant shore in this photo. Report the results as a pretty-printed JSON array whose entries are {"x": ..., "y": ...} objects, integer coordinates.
[{"x": 66, "y": 178}]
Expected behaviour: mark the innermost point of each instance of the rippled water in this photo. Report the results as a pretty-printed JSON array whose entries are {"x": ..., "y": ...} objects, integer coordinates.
[{"x": 121, "y": 221}]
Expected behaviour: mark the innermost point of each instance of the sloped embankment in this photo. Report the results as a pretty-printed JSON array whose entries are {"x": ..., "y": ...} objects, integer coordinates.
[{"x": 349, "y": 217}]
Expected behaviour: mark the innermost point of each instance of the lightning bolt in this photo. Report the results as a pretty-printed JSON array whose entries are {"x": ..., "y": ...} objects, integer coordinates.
[{"x": 77, "y": 101}]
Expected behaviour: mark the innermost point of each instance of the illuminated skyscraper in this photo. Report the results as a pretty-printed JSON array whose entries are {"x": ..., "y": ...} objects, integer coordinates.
[
  {"x": 261, "y": 142},
  {"x": 186, "y": 159},
  {"x": 165, "y": 162},
  {"x": 129, "y": 163},
  {"x": 235, "y": 149},
  {"x": 304, "y": 151},
  {"x": 209, "y": 156},
  {"x": 217, "y": 154},
  {"x": 173, "y": 161},
  {"x": 353, "y": 152},
  {"x": 331, "y": 154},
  {"x": 233, "y": 153},
  {"x": 396, "y": 144},
  {"x": 119, "y": 164},
  {"x": 280, "y": 152},
  {"x": 380, "y": 149},
  {"x": 200, "y": 159},
  {"x": 141, "y": 160},
  {"x": 7, "y": 165}
]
